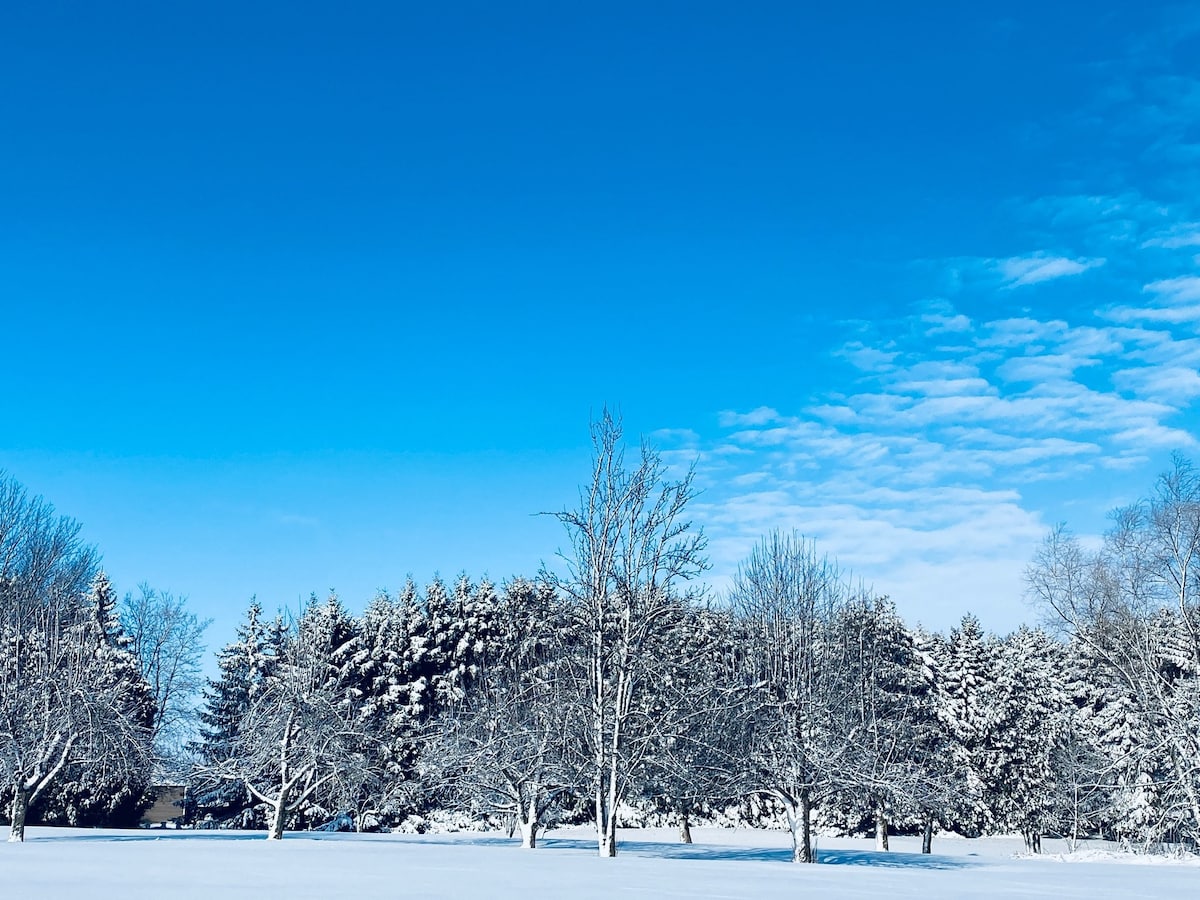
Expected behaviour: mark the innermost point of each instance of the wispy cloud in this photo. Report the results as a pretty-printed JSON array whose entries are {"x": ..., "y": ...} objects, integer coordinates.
[
  {"x": 960, "y": 432},
  {"x": 1183, "y": 235},
  {"x": 1170, "y": 300},
  {"x": 1019, "y": 271},
  {"x": 922, "y": 478},
  {"x": 760, "y": 416},
  {"x": 1185, "y": 289}
]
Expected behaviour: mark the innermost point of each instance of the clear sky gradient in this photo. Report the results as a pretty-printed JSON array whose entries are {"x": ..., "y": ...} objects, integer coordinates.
[{"x": 308, "y": 296}]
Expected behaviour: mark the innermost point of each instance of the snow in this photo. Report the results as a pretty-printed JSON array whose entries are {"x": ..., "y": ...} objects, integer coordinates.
[{"x": 721, "y": 864}]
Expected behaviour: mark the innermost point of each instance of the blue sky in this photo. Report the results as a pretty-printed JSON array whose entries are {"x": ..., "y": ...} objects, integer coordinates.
[{"x": 303, "y": 296}]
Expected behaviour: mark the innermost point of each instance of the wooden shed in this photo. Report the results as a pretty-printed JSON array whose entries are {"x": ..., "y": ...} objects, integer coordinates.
[{"x": 167, "y": 807}]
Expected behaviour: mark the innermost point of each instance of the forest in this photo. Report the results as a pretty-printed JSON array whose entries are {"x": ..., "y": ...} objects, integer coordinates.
[{"x": 618, "y": 690}]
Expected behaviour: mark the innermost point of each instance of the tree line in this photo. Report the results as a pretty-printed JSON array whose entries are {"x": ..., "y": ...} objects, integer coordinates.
[{"x": 614, "y": 690}]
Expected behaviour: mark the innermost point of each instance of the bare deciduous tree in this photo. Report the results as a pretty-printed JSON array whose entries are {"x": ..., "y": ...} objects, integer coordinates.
[
  {"x": 631, "y": 552},
  {"x": 1135, "y": 606},
  {"x": 786, "y": 598},
  {"x": 299, "y": 740},
  {"x": 59, "y": 703},
  {"x": 504, "y": 747},
  {"x": 699, "y": 712},
  {"x": 168, "y": 642}
]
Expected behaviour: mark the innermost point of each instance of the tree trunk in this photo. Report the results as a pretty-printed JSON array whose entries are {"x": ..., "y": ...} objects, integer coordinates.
[
  {"x": 608, "y": 794},
  {"x": 685, "y": 826},
  {"x": 605, "y": 838},
  {"x": 17, "y": 812},
  {"x": 800, "y": 823},
  {"x": 529, "y": 822},
  {"x": 285, "y": 746},
  {"x": 277, "y": 820},
  {"x": 927, "y": 836},
  {"x": 608, "y": 839},
  {"x": 881, "y": 828},
  {"x": 1033, "y": 841},
  {"x": 529, "y": 832}
]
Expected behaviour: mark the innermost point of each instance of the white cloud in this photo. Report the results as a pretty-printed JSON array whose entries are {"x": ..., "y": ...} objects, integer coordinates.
[
  {"x": 946, "y": 324},
  {"x": 760, "y": 416},
  {"x": 1168, "y": 384},
  {"x": 1176, "y": 290},
  {"x": 923, "y": 476},
  {"x": 680, "y": 436},
  {"x": 946, "y": 387},
  {"x": 1022, "y": 332},
  {"x": 962, "y": 431},
  {"x": 1186, "y": 234},
  {"x": 1172, "y": 313},
  {"x": 868, "y": 359},
  {"x": 1037, "y": 369},
  {"x": 1018, "y": 271}
]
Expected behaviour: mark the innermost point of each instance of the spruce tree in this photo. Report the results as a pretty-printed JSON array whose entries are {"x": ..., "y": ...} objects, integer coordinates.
[{"x": 244, "y": 666}]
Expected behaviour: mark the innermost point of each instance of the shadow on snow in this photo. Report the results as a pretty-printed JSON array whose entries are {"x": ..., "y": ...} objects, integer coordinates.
[
  {"x": 632, "y": 847},
  {"x": 662, "y": 850}
]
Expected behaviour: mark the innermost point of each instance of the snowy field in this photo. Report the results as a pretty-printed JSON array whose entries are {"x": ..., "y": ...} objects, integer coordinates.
[{"x": 64, "y": 863}]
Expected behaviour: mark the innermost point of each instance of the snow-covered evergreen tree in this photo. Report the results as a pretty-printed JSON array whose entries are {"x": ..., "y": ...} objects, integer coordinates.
[
  {"x": 331, "y": 639},
  {"x": 702, "y": 712},
  {"x": 969, "y": 712},
  {"x": 879, "y": 777},
  {"x": 285, "y": 724},
  {"x": 1026, "y": 746},
  {"x": 244, "y": 666},
  {"x": 504, "y": 747},
  {"x": 1135, "y": 605},
  {"x": 392, "y": 675},
  {"x": 106, "y": 789},
  {"x": 932, "y": 742}
]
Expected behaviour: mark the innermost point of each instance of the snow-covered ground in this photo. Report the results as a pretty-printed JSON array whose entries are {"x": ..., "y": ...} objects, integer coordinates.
[{"x": 748, "y": 863}]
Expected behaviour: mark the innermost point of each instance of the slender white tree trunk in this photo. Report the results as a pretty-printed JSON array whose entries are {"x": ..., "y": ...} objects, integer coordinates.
[
  {"x": 610, "y": 780},
  {"x": 608, "y": 833},
  {"x": 881, "y": 827},
  {"x": 927, "y": 835},
  {"x": 18, "y": 810},
  {"x": 608, "y": 843}
]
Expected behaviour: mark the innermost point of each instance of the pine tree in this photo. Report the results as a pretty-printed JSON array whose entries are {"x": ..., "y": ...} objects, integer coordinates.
[
  {"x": 331, "y": 635},
  {"x": 106, "y": 790},
  {"x": 932, "y": 742},
  {"x": 502, "y": 748},
  {"x": 1028, "y": 737},
  {"x": 701, "y": 712},
  {"x": 244, "y": 665},
  {"x": 969, "y": 712},
  {"x": 879, "y": 778},
  {"x": 391, "y": 675}
]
